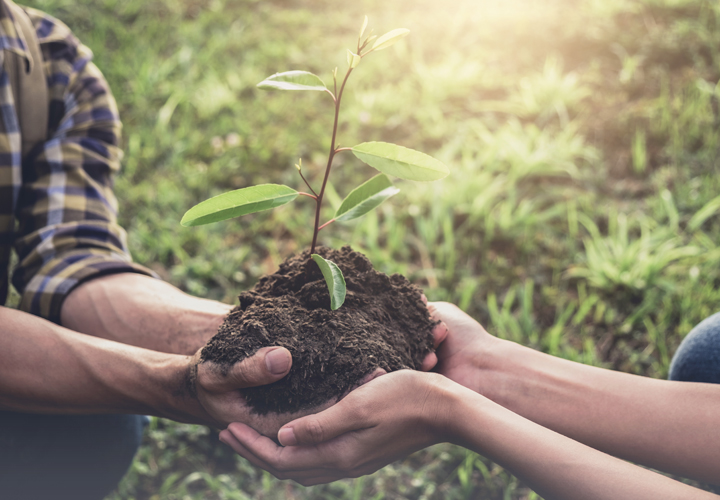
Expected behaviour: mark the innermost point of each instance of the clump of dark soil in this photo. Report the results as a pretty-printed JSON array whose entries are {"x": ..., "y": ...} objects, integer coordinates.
[{"x": 382, "y": 324}]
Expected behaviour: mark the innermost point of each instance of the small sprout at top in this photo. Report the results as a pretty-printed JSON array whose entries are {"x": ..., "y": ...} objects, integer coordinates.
[
  {"x": 365, "y": 44},
  {"x": 362, "y": 30},
  {"x": 390, "y": 38},
  {"x": 298, "y": 165}
]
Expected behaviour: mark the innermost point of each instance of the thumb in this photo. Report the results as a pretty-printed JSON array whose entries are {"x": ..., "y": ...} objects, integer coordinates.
[
  {"x": 324, "y": 426},
  {"x": 266, "y": 366}
]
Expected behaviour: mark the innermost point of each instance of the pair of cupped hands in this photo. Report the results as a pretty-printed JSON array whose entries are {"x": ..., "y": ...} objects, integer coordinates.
[{"x": 387, "y": 417}]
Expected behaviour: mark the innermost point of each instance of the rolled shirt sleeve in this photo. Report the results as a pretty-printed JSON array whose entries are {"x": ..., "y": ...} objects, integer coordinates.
[{"x": 67, "y": 212}]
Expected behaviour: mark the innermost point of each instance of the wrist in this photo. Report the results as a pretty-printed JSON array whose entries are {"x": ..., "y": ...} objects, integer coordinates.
[
  {"x": 443, "y": 407},
  {"x": 178, "y": 395},
  {"x": 495, "y": 368},
  {"x": 463, "y": 409}
]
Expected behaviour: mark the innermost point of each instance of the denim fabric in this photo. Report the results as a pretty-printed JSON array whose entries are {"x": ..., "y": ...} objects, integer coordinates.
[
  {"x": 65, "y": 457},
  {"x": 698, "y": 357}
]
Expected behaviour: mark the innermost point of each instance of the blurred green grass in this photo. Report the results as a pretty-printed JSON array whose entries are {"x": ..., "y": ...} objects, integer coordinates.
[{"x": 581, "y": 217}]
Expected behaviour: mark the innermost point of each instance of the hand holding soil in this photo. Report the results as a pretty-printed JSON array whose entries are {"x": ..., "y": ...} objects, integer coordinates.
[
  {"x": 383, "y": 325},
  {"x": 462, "y": 354},
  {"x": 219, "y": 391},
  {"x": 382, "y": 421},
  {"x": 589, "y": 417}
]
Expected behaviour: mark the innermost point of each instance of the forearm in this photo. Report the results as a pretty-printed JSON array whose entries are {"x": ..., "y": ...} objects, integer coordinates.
[
  {"x": 404, "y": 411},
  {"x": 144, "y": 312},
  {"x": 670, "y": 426},
  {"x": 551, "y": 464},
  {"x": 46, "y": 368}
]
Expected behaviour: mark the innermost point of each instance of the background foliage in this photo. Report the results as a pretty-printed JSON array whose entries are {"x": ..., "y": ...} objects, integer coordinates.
[{"x": 581, "y": 216}]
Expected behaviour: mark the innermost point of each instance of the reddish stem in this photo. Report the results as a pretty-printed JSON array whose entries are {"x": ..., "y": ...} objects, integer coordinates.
[
  {"x": 326, "y": 224},
  {"x": 307, "y": 183},
  {"x": 308, "y": 195},
  {"x": 331, "y": 156}
]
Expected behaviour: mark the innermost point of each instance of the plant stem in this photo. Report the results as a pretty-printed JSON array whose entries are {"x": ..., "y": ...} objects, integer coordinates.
[
  {"x": 308, "y": 195},
  {"x": 326, "y": 224},
  {"x": 307, "y": 183},
  {"x": 331, "y": 156}
]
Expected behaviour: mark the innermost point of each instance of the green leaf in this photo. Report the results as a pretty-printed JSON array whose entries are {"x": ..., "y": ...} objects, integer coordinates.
[
  {"x": 390, "y": 38},
  {"x": 365, "y": 197},
  {"x": 293, "y": 80},
  {"x": 362, "y": 30},
  {"x": 239, "y": 202},
  {"x": 334, "y": 279},
  {"x": 400, "y": 162},
  {"x": 352, "y": 59}
]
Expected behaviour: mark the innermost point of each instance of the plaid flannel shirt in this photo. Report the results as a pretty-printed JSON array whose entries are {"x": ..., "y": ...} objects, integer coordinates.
[{"x": 57, "y": 208}]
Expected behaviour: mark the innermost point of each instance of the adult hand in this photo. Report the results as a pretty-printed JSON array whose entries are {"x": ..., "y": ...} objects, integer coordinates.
[
  {"x": 464, "y": 347},
  {"x": 219, "y": 392},
  {"x": 386, "y": 419}
]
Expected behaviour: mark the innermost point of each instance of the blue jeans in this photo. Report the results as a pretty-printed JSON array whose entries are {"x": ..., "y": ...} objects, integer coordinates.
[
  {"x": 698, "y": 357},
  {"x": 65, "y": 457}
]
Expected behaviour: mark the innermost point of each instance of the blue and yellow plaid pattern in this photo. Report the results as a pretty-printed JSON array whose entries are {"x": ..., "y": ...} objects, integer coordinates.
[{"x": 57, "y": 208}]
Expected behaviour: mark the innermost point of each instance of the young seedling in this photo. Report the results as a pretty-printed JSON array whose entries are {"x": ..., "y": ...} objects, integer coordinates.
[{"x": 389, "y": 159}]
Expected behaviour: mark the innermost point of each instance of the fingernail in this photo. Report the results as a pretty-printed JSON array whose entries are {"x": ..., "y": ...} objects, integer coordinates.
[
  {"x": 277, "y": 361},
  {"x": 286, "y": 436}
]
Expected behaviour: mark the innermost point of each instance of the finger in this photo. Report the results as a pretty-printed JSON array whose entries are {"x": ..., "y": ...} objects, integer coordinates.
[
  {"x": 307, "y": 465},
  {"x": 294, "y": 462},
  {"x": 429, "y": 362},
  {"x": 229, "y": 439},
  {"x": 268, "y": 365},
  {"x": 440, "y": 309},
  {"x": 237, "y": 442},
  {"x": 440, "y": 333},
  {"x": 315, "y": 429},
  {"x": 377, "y": 372},
  {"x": 304, "y": 477},
  {"x": 424, "y": 299},
  {"x": 320, "y": 480},
  {"x": 433, "y": 311}
]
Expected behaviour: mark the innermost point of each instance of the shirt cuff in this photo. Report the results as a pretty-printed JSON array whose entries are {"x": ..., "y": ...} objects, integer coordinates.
[{"x": 46, "y": 291}]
